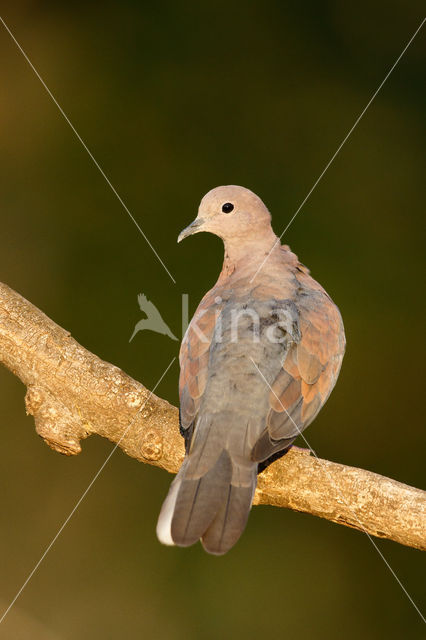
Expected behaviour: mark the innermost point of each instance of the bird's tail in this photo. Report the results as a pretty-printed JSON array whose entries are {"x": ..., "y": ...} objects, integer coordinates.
[{"x": 213, "y": 505}]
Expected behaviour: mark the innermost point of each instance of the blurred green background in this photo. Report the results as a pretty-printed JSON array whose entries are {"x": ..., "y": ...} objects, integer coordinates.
[{"x": 173, "y": 99}]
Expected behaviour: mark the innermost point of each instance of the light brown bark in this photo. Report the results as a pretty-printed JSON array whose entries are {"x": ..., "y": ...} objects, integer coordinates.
[{"x": 72, "y": 394}]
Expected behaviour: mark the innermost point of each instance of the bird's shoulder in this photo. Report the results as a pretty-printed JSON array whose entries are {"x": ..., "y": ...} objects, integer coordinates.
[
  {"x": 313, "y": 361},
  {"x": 311, "y": 366}
]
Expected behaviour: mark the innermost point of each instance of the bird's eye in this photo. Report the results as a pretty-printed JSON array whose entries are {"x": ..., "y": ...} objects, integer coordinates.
[{"x": 227, "y": 207}]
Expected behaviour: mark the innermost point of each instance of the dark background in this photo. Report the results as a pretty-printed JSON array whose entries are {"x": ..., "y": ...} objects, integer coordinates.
[{"x": 173, "y": 99}]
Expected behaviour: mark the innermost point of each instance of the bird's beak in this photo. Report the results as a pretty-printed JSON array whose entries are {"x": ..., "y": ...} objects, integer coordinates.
[{"x": 194, "y": 227}]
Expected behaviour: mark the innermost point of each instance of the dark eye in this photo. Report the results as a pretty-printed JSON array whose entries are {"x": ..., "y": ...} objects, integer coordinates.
[{"x": 227, "y": 207}]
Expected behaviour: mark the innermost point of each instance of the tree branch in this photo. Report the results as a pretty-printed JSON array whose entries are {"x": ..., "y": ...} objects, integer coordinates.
[{"x": 72, "y": 394}]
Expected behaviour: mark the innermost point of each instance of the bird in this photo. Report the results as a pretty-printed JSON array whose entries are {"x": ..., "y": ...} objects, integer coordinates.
[
  {"x": 153, "y": 321},
  {"x": 259, "y": 359}
]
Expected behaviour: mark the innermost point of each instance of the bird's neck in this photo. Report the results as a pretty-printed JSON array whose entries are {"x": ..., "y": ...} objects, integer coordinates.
[{"x": 249, "y": 252}]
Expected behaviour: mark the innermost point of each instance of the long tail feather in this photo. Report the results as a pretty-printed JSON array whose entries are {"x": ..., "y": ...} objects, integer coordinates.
[
  {"x": 198, "y": 500},
  {"x": 164, "y": 524},
  {"x": 210, "y": 498},
  {"x": 231, "y": 519}
]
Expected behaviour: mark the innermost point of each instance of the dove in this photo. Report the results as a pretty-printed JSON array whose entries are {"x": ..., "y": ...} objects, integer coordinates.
[{"x": 259, "y": 359}]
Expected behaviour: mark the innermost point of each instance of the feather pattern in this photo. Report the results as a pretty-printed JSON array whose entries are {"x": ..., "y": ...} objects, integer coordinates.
[{"x": 258, "y": 361}]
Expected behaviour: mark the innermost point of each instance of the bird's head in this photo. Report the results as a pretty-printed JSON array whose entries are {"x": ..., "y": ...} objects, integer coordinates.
[{"x": 230, "y": 212}]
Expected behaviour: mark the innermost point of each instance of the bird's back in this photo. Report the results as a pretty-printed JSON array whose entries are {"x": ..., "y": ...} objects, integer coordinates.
[{"x": 254, "y": 373}]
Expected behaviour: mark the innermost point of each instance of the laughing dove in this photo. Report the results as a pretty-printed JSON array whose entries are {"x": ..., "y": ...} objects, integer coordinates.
[{"x": 258, "y": 361}]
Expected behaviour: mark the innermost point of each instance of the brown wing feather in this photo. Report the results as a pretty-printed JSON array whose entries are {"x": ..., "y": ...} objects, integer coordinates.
[
  {"x": 308, "y": 375},
  {"x": 311, "y": 367},
  {"x": 194, "y": 360}
]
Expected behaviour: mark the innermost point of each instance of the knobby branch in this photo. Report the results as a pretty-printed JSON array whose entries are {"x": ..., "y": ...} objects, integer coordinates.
[{"x": 72, "y": 394}]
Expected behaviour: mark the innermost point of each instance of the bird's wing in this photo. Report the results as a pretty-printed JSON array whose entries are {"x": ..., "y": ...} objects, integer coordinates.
[
  {"x": 308, "y": 375},
  {"x": 194, "y": 359}
]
